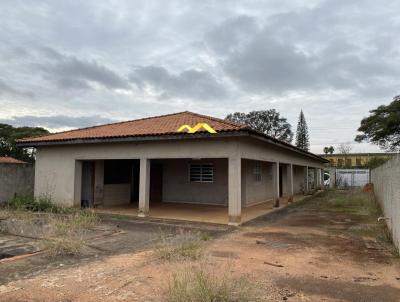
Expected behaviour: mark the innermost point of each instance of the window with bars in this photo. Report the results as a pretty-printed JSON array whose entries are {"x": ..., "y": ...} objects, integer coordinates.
[
  {"x": 257, "y": 171},
  {"x": 201, "y": 173}
]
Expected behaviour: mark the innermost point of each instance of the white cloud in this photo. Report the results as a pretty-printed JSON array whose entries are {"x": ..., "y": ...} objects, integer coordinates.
[{"x": 335, "y": 59}]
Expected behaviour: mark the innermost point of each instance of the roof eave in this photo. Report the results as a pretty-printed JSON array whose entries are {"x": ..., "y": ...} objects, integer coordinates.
[
  {"x": 119, "y": 139},
  {"x": 230, "y": 133}
]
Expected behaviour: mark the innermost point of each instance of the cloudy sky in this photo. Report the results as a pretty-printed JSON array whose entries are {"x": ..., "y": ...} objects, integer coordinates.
[{"x": 67, "y": 64}]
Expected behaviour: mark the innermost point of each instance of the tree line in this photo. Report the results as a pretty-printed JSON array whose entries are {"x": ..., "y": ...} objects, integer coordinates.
[
  {"x": 8, "y": 136},
  {"x": 271, "y": 123}
]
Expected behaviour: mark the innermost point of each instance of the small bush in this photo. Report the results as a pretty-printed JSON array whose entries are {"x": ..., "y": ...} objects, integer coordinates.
[
  {"x": 180, "y": 247},
  {"x": 197, "y": 285},
  {"x": 67, "y": 232},
  {"x": 29, "y": 203},
  {"x": 63, "y": 245}
]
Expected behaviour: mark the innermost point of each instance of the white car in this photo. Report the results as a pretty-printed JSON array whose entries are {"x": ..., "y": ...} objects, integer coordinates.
[{"x": 327, "y": 179}]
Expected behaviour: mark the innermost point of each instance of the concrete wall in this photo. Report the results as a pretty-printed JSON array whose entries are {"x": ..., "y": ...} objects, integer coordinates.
[
  {"x": 16, "y": 179},
  {"x": 58, "y": 168},
  {"x": 386, "y": 180},
  {"x": 298, "y": 179},
  {"x": 116, "y": 194},
  {"x": 178, "y": 188},
  {"x": 254, "y": 191}
]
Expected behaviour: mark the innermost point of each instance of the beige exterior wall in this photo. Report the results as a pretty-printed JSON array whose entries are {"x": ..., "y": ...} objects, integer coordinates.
[
  {"x": 298, "y": 179},
  {"x": 178, "y": 188},
  {"x": 58, "y": 168},
  {"x": 254, "y": 191}
]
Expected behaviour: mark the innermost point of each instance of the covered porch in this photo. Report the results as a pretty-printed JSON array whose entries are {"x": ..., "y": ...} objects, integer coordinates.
[{"x": 214, "y": 190}]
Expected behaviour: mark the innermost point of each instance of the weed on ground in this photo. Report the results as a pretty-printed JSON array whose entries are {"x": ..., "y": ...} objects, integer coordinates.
[
  {"x": 61, "y": 232},
  {"x": 183, "y": 246},
  {"x": 201, "y": 285}
]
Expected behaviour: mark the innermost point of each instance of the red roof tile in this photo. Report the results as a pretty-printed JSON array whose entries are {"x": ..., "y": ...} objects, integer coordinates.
[
  {"x": 159, "y": 125},
  {"x": 10, "y": 160}
]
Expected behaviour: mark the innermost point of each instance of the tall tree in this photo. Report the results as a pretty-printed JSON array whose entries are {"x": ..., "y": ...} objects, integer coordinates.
[
  {"x": 326, "y": 150},
  {"x": 382, "y": 127},
  {"x": 268, "y": 122},
  {"x": 8, "y": 135},
  {"x": 302, "y": 138}
]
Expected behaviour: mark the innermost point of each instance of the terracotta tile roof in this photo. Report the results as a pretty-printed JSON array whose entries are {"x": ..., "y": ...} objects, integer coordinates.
[
  {"x": 10, "y": 160},
  {"x": 159, "y": 125}
]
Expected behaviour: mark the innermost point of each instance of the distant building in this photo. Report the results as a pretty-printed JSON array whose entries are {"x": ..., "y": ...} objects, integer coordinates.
[
  {"x": 10, "y": 160},
  {"x": 353, "y": 160}
]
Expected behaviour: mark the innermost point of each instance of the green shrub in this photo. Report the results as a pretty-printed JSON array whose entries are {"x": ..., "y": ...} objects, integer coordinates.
[
  {"x": 42, "y": 203},
  {"x": 198, "y": 285}
]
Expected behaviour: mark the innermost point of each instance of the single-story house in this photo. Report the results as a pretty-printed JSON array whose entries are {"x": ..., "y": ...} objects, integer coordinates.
[{"x": 183, "y": 157}]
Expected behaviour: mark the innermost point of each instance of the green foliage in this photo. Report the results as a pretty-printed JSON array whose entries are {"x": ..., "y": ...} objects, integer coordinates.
[
  {"x": 329, "y": 150},
  {"x": 198, "y": 285},
  {"x": 302, "y": 137},
  {"x": 382, "y": 127},
  {"x": 375, "y": 162},
  {"x": 30, "y": 203},
  {"x": 8, "y": 136},
  {"x": 268, "y": 122}
]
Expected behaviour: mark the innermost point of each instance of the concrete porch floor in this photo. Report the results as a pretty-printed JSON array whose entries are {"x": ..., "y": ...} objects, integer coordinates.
[{"x": 196, "y": 212}]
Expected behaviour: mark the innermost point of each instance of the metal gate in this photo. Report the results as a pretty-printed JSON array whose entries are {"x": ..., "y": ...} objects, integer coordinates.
[{"x": 352, "y": 177}]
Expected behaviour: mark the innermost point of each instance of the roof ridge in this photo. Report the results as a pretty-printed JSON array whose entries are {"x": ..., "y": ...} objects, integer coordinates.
[
  {"x": 102, "y": 125},
  {"x": 242, "y": 126}
]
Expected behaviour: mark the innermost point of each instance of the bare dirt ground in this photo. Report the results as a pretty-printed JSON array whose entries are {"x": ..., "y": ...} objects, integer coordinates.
[{"x": 316, "y": 250}]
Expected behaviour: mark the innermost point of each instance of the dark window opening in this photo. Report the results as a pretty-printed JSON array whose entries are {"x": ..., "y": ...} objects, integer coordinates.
[
  {"x": 117, "y": 172},
  {"x": 201, "y": 173}
]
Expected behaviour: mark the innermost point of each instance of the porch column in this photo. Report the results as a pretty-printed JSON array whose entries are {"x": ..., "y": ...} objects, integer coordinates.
[
  {"x": 289, "y": 173},
  {"x": 320, "y": 181},
  {"x": 77, "y": 184},
  {"x": 316, "y": 181},
  {"x": 144, "y": 187},
  {"x": 306, "y": 182},
  {"x": 234, "y": 190},
  {"x": 275, "y": 181}
]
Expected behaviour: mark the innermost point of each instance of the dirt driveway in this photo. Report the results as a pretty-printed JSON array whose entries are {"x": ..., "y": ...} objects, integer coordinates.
[{"x": 327, "y": 248}]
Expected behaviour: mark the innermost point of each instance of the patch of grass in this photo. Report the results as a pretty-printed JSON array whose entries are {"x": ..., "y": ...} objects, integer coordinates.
[
  {"x": 205, "y": 236},
  {"x": 362, "y": 206},
  {"x": 180, "y": 247},
  {"x": 353, "y": 201},
  {"x": 66, "y": 233},
  {"x": 42, "y": 203},
  {"x": 63, "y": 245},
  {"x": 199, "y": 285}
]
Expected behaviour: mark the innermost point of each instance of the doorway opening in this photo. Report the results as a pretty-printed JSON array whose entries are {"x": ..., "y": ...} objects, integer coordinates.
[
  {"x": 280, "y": 181},
  {"x": 87, "y": 185}
]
